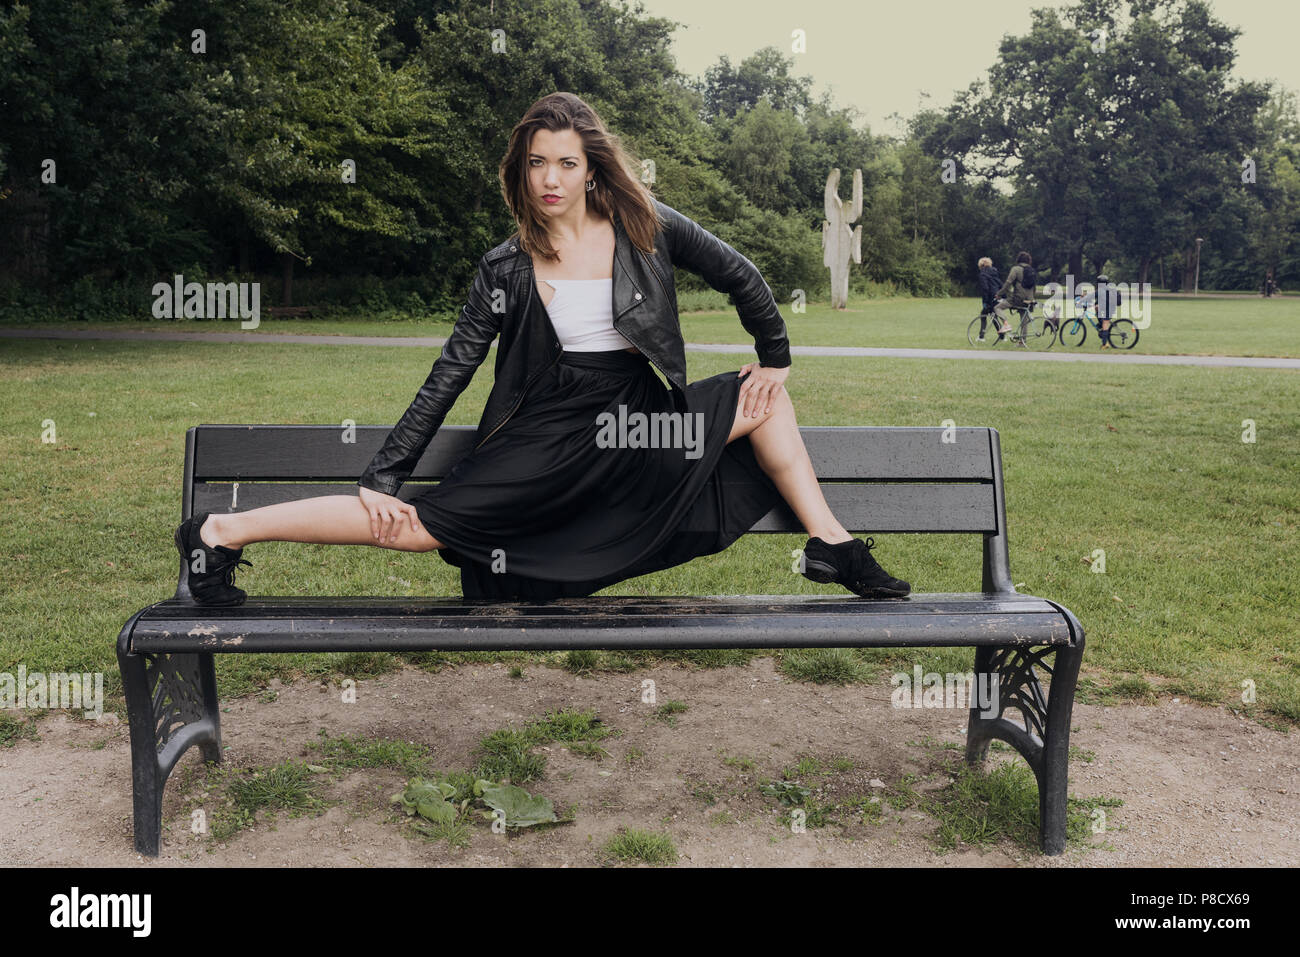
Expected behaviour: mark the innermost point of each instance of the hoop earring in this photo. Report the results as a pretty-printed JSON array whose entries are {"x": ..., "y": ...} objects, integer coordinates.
[{"x": 591, "y": 184}]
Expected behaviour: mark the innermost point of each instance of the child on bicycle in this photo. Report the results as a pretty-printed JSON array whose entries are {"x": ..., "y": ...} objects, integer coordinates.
[
  {"x": 989, "y": 283},
  {"x": 1108, "y": 300}
]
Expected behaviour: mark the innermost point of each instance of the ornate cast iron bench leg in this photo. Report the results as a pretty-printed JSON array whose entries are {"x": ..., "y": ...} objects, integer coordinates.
[
  {"x": 1044, "y": 736},
  {"x": 171, "y": 704}
]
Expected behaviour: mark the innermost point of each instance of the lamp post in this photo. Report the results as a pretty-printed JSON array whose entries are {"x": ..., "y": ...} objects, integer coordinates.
[{"x": 1196, "y": 289}]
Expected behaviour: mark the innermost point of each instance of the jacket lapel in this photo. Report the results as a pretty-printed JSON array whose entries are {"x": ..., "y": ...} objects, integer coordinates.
[{"x": 627, "y": 294}]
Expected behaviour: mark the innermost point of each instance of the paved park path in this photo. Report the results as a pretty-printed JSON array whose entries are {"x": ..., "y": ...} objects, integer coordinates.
[{"x": 427, "y": 342}]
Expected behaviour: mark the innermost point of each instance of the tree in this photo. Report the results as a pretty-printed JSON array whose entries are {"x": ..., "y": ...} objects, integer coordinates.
[{"x": 1120, "y": 137}]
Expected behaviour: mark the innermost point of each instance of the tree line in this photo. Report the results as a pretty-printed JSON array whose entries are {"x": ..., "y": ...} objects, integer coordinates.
[{"x": 354, "y": 144}]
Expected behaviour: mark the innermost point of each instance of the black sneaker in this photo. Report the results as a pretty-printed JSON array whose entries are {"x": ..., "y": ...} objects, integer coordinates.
[
  {"x": 850, "y": 564},
  {"x": 215, "y": 585}
]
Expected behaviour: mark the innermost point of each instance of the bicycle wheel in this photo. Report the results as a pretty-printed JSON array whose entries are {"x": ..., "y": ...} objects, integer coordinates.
[
  {"x": 1073, "y": 332},
  {"x": 1040, "y": 334},
  {"x": 1123, "y": 334},
  {"x": 990, "y": 333}
]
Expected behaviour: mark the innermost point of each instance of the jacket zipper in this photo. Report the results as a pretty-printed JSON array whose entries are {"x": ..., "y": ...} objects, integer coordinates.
[
  {"x": 662, "y": 289},
  {"x": 518, "y": 402},
  {"x": 527, "y": 385}
]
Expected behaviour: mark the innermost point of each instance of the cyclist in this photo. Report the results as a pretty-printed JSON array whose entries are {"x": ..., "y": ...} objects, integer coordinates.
[
  {"x": 1018, "y": 291},
  {"x": 989, "y": 283},
  {"x": 1108, "y": 300}
]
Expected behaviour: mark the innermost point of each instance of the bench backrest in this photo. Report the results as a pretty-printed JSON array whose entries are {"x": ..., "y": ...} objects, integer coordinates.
[{"x": 875, "y": 479}]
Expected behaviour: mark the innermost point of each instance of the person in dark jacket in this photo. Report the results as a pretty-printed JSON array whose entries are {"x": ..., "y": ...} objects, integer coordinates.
[
  {"x": 1018, "y": 290},
  {"x": 990, "y": 282},
  {"x": 1108, "y": 302}
]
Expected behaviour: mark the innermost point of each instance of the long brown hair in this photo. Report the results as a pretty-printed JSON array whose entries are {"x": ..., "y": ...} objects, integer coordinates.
[{"x": 616, "y": 189}]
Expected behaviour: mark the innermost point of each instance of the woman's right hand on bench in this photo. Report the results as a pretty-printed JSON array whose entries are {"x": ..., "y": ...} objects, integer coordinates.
[{"x": 385, "y": 511}]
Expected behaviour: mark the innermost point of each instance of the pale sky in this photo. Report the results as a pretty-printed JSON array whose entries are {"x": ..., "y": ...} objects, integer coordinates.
[{"x": 879, "y": 57}]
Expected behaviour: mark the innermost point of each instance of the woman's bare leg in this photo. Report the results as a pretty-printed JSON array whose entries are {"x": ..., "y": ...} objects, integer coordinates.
[
  {"x": 324, "y": 520},
  {"x": 781, "y": 454}
]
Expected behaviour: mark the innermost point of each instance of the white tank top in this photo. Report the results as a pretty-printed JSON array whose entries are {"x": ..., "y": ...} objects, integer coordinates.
[{"x": 582, "y": 311}]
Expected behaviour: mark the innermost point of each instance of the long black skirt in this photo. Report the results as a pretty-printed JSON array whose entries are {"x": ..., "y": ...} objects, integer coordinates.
[{"x": 576, "y": 491}]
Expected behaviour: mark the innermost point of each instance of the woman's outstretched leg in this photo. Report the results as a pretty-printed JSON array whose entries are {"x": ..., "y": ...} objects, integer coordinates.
[
  {"x": 324, "y": 520},
  {"x": 781, "y": 454},
  {"x": 211, "y": 545},
  {"x": 831, "y": 554}
]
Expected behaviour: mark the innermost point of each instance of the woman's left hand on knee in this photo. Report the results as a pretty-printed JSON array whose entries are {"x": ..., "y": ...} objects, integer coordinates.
[{"x": 761, "y": 388}]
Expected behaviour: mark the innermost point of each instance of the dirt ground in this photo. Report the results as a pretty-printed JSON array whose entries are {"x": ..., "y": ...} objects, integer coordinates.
[{"x": 1200, "y": 786}]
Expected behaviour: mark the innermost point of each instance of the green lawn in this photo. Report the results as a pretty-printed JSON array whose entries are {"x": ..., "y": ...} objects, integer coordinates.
[
  {"x": 1251, "y": 327},
  {"x": 1147, "y": 463},
  {"x": 1256, "y": 327}
]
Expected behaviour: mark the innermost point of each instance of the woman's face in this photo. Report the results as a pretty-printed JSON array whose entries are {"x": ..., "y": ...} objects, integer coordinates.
[{"x": 557, "y": 171}]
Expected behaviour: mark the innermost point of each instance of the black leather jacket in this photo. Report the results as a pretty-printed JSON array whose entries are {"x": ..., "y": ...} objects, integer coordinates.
[{"x": 503, "y": 301}]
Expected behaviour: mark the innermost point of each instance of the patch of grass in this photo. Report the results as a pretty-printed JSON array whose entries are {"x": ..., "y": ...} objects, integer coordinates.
[
  {"x": 349, "y": 752},
  {"x": 508, "y": 752},
  {"x": 808, "y": 766},
  {"x": 516, "y": 671},
  {"x": 367, "y": 664},
  {"x": 617, "y": 661},
  {"x": 288, "y": 786},
  {"x": 589, "y": 749},
  {"x": 13, "y": 729},
  {"x": 632, "y": 755},
  {"x": 743, "y": 764},
  {"x": 581, "y": 661},
  {"x": 1093, "y": 689},
  {"x": 1079, "y": 754},
  {"x": 869, "y": 808},
  {"x": 721, "y": 819},
  {"x": 902, "y": 795},
  {"x": 508, "y": 755},
  {"x": 819, "y": 813},
  {"x": 825, "y": 666},
  {"x": 435, "y": 661},
  {"x": 569, "y": 725},
  {"x": 635, "y": 846},
  {"x": 455, "y": 833},
  {"x": 705, "y": 793},
  {"x": 669, "y": 710},
  {"x": 712, "y": 657},
  {"x": 982, "y": 809},
  {"x": 1081, "y": 815}
]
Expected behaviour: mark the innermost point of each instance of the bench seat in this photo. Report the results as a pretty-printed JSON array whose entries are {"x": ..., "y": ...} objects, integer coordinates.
[{"x": 277, "y": 624}]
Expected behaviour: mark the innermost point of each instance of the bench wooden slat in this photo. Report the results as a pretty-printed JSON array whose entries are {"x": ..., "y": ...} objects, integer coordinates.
[
  {"x": 860, "y": 508},
  {"x": 318, "y": 453}
]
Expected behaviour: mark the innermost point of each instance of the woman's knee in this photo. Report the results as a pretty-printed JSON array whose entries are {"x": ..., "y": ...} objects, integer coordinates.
[{"x": 406, "y": 539}]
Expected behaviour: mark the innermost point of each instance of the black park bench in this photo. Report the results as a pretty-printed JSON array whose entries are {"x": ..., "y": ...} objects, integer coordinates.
[{"x": 880, "y": 480}]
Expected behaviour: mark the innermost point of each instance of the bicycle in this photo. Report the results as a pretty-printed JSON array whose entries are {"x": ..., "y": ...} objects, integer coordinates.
[
  {"x": 1034, "y": 332},
  {"x": 1123, "y": 334}
]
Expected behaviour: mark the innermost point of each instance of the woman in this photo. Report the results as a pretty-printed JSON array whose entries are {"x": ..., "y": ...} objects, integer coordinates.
[
  {"x": 990, "y": 281},
  {"x": 587, "y": 470}
]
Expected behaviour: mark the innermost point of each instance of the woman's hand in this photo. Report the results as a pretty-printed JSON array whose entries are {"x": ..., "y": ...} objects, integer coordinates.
[
  {"x": 758, "y": 390},
  {"x": 385, "y": 511}
]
